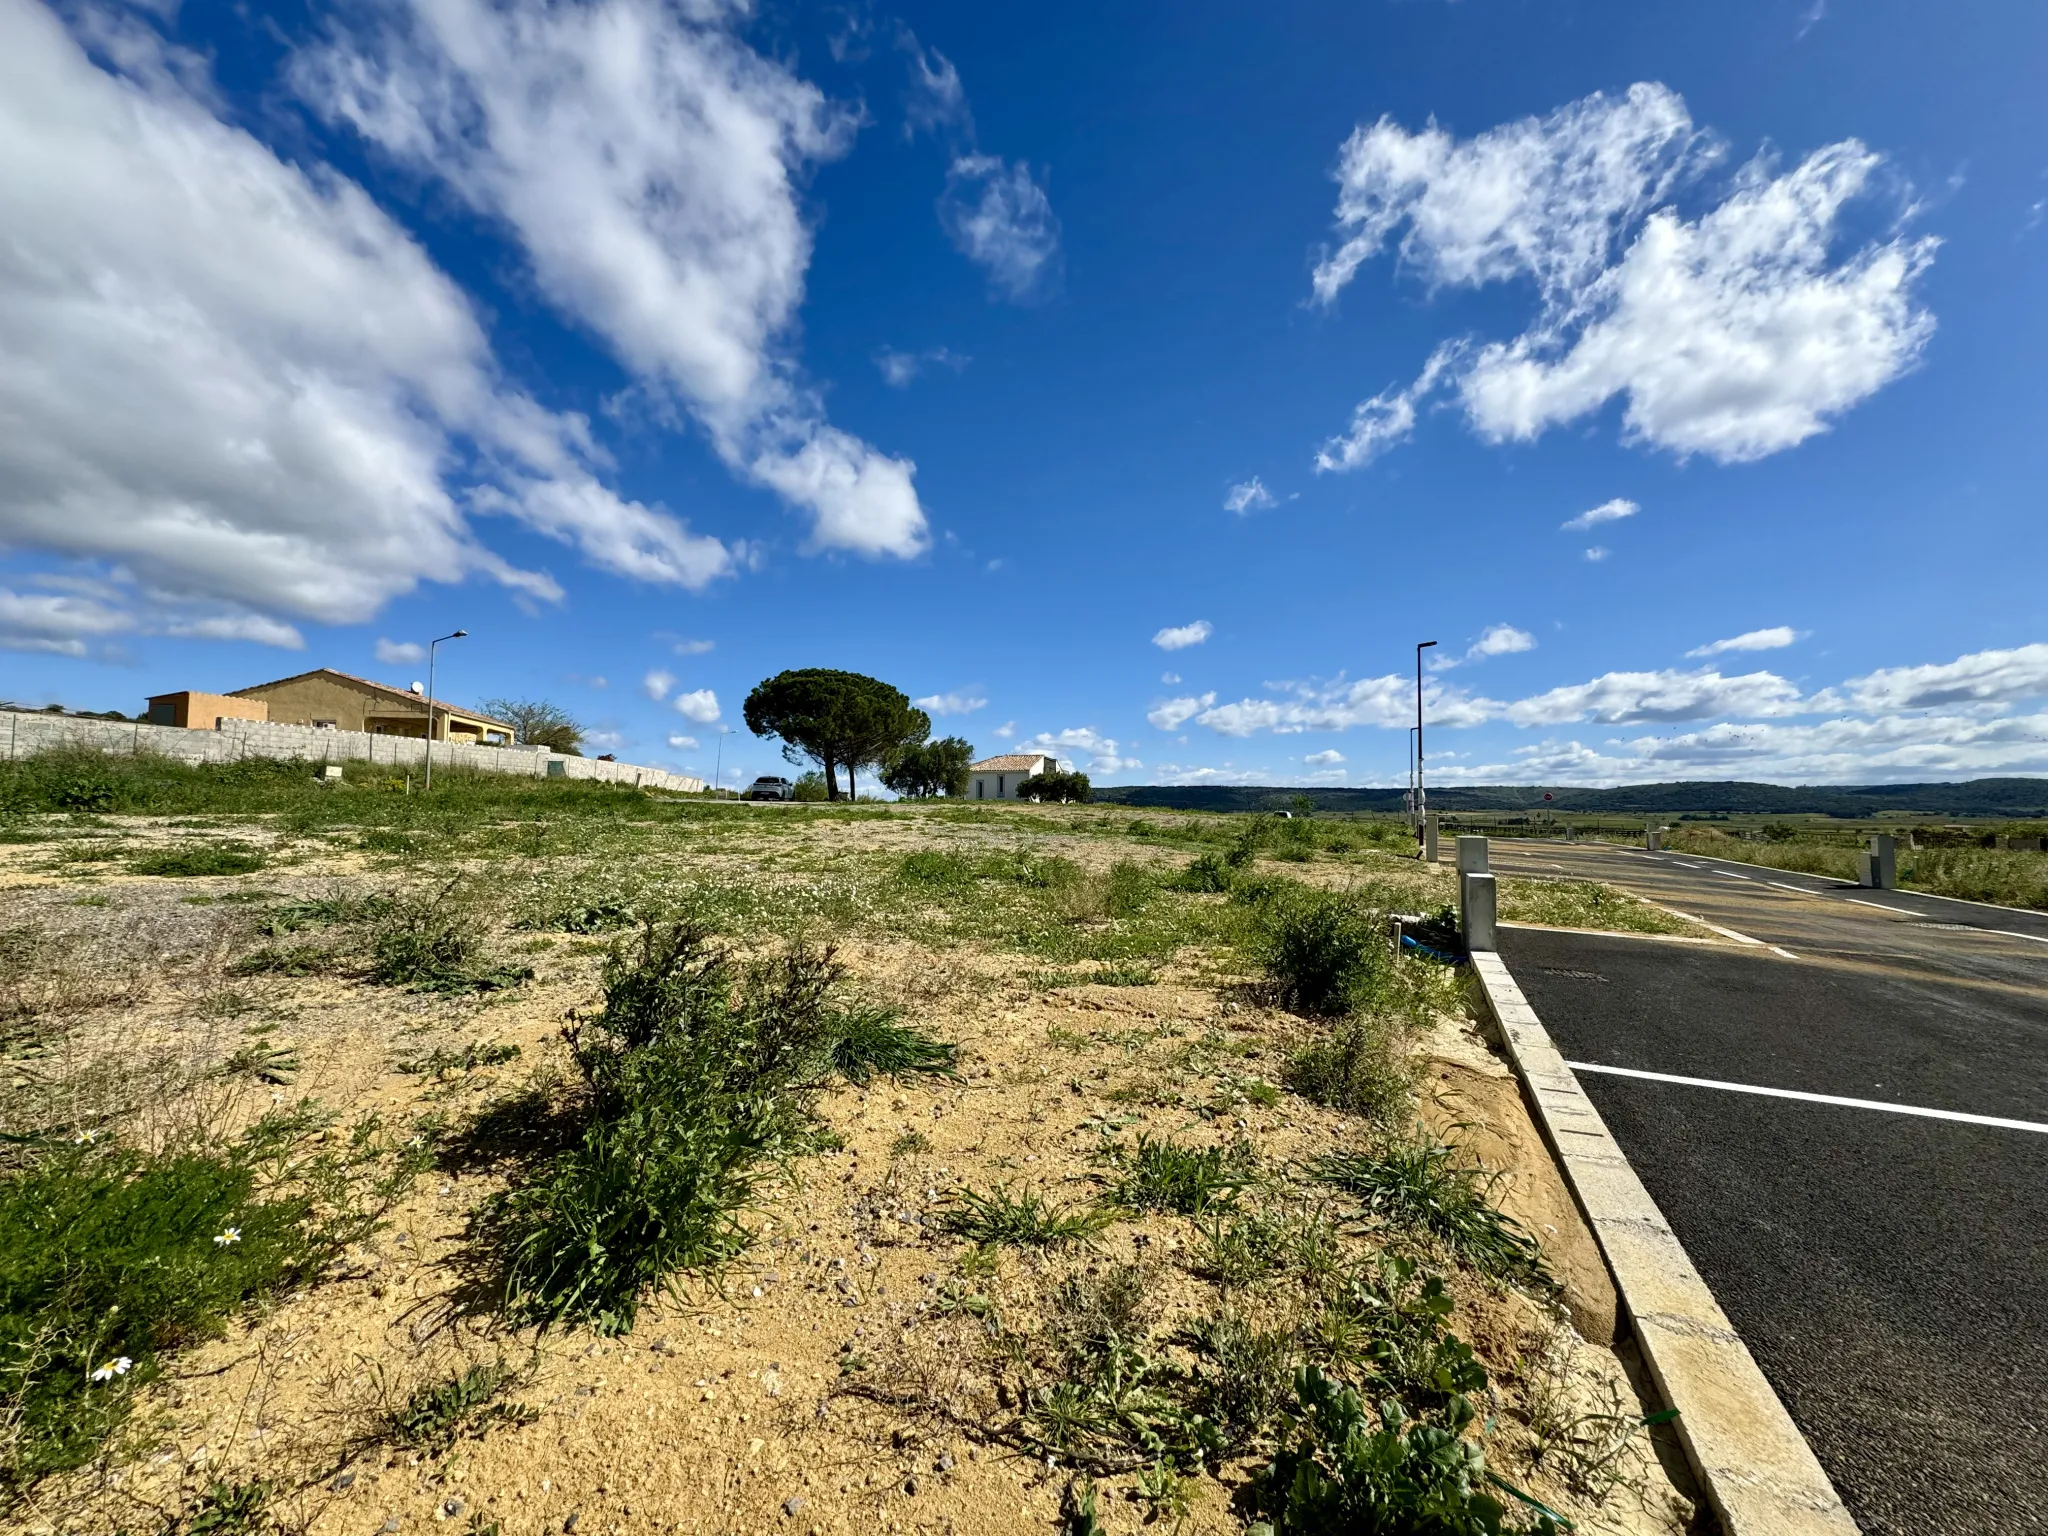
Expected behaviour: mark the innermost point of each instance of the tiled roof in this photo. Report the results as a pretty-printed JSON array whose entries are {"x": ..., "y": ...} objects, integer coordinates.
[
  {"x": 1013, "y": 762},
  {"x": 363, "y": 682}
]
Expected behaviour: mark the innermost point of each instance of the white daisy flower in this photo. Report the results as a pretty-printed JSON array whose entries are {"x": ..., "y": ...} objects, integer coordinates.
[{"x": 231, "y": 1235}]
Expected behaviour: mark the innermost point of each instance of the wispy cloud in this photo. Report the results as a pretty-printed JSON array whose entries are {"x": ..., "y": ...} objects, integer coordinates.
[
  {"x": 1247, "y": 496},
  {"x": 1597, "y": 552},
  {"x": 962, "y": 701},
  {"x": 1607, "y": 512},
  {"x": 999, "y": 217},
  {"x": 900, "y": 369},
  {"x": 657, "y": 683},
  {"x": 398, "y": 653},
  {"x": 1775, "y": 639}
]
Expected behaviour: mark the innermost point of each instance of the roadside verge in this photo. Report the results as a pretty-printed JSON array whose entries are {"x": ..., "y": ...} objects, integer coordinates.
[{"x": 1753, "y": 1464}]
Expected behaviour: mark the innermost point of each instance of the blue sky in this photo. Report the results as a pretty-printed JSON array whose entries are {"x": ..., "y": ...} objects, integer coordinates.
[{"x": 1141, "y": 384}]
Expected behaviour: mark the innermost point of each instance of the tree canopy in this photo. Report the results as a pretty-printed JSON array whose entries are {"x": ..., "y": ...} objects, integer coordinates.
[
  {"x": 1056, "y": 785},
  {"x": 835, "y": 719},
  {"x": 935, "y": 768},
  {"x": 539, "y": 724}
]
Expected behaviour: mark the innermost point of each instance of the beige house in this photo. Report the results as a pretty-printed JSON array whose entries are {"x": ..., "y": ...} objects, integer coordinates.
[
  {"x": 340, "y": 702},
  {"x": 202, "y": 711},
  {"x": 997, "y": 778}
]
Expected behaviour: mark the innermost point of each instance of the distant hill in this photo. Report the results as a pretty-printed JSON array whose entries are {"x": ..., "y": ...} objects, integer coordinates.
[{"x": 1978, "y": 797}]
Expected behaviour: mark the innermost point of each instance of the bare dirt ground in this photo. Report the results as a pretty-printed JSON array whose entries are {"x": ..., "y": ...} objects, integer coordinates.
[{"x": 831, "y": 1382}]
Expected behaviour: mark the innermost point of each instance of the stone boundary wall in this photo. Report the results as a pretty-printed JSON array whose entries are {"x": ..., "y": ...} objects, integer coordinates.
[{"x": 23, "y": 734}]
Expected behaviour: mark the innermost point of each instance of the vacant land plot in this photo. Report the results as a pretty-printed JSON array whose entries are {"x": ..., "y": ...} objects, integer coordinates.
[{"x": 560, "y": 1159}]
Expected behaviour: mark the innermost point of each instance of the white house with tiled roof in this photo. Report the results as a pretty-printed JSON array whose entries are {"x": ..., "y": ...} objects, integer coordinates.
[{"x": 997, "y": 778}]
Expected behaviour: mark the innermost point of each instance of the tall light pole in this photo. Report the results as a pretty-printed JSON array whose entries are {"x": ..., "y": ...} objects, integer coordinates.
[
  {"x": 718, "y": 773},
  {"x": 460, "y": 634},
  {"x": 1411, "y": 774},
  {"x": 1421, "y": 795}
]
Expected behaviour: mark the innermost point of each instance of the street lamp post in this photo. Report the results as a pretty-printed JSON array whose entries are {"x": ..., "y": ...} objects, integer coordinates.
[
  {"x": 1411, "y": 774},
  {"x": 1421, "y": 795},
  {"x": 718, "y": 773},
  {"x": 459, "y": 634}
]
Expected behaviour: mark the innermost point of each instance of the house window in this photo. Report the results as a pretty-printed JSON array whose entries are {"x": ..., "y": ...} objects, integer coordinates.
[
  {"x": 324, "y": 725},
  {"x": 999, "y": 786}
]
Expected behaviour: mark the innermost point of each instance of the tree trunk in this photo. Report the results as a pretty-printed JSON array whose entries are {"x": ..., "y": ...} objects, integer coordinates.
[
  {"x": 852, "y": 784},
  {"x": 831, "y": 779}
]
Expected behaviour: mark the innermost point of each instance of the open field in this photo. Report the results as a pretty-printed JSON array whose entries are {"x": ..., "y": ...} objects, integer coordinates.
[{"x": 559, "y": 1158}]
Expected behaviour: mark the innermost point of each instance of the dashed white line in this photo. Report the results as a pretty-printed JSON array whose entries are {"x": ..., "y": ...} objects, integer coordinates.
[
  {"x": 1812, "y": 1098},
  {"x": 1796, "y": 890},
  {"x": 1778, "y": 949}
]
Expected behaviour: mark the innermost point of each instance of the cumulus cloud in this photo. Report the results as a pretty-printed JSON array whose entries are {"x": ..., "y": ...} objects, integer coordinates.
[
  {"x": 657, "y": 683},
  {"x": 647, "y": 160},
  {"x": 242, "y": 381},
  {"x": 683, "y": 743},
  {"x": 998, "y": 217},
  {"x": 1339, "y": 705},
  {"x": 694, "y": 647},
  {"x": 1774, "y": 639},
  {"x": 700, "y": 705},
  {"x": 398, "y": 653},
  {"x": 1735, "y": 334},
  {"x": 1631, "y": 698},
  {"x": 1325, "y": 759},
  {"x": 1597, "y": 552},
  {"x": 1005, "y": 731},
  {"x": 1247, "y": 496},
  {"x": 1180, "y": 637},
  {"x": 1171, "y": 679},
  {"x": 1097, "y": 751},
  {"x": 1172, "y": 714},
  {"x": 1494, "y": 640},
  {"x": 1982, "y": 678},
  {"x": 1607, "y": 512},
  {"x": 962, "y": 701}
]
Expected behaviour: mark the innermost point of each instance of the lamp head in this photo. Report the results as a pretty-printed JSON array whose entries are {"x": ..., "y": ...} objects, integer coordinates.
[
  {"x": 461, "y": 634},
  {"x": 1424, "y": 644}
]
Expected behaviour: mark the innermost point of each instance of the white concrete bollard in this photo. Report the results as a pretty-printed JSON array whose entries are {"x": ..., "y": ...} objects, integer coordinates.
[
  {"x": 1879, "y": 868},
  {"x": 1476, "y": 908},
  {"x": 1429, "y": 838},
  {"x": 1653, "y": 840},
  {"x": 1472, "y": 856}
]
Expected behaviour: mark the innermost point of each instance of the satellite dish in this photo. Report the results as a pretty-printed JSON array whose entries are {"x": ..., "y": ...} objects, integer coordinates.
[{"x": 421, "y": 688}]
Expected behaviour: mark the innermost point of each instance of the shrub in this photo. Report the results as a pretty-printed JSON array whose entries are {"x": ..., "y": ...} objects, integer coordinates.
[
  {"x": 1362, "y": 1066},
  {"x": 1056, "y": 785},
  {"x": 1208, "y": 873},
  {"x": 695, "y": 1075},
  {"x": 1326, "y": 953},
  {"x": 435, "y": 944}
]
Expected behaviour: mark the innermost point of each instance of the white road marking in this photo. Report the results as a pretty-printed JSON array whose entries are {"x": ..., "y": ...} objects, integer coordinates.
[
  {"x": 1726, "y": 933},
  {"x": 2003, "y": 933},
  {"x": 1895, "y": 911},
  {"x": 1780, "y": 950},
  {"x": 1813, "y": 1098},
  {"x": 1728, "y": 874},
  {"x": 1796, "y": 890}
]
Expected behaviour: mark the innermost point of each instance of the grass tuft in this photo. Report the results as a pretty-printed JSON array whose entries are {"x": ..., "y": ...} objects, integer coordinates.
[
  {"x": 1027, "y": 1220},
  {"x": 1420, "y": 1183},
  {"x": 467, "y": 1405},
  {"x": 197, "y": 859},
  {"x": 1163, "y": 1175}
]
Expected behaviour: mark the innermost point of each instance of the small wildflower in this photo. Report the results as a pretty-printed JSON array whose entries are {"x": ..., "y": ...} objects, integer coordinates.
[
  {"x": 85, "y": 1138},
  {"x": 112, "y": 1369},
  {"x": 231, "y": 1235}
]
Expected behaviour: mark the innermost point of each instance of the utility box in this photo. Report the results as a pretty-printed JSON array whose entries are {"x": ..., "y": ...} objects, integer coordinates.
[
  {"x": 1472, "y": 856},
  {"x": 557, "y": 768},
  {"x": 1653, "y": 840},
  {"x": 331, "y": 774},
  {"x": 1476, "y": 910},
  {"x": 1429, "y": 838},
  {"x": 1878, "y": 869}
]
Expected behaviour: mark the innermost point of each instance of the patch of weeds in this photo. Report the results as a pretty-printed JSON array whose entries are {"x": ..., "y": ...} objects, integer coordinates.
[
  {"x": 1362, "y": 1066},
  {"x": 283, "y": 960},
  {"x": 1591, "y": 1451},
  {"x": 1421, "y": 1183},
  {"x": 1207, "y": 874},
  {"x": 321, "y": 912},
  {"x": 197, "y": 859},
  {"x": 435, "y": 944},
  {"x": 111, "y": 1257},
  {"x": 1004, "y": 1217},
  {"x": 1326, "y": 954},
  {"x": 1127, "y": 889},
  {"x": 229, "y": 1509},
  {"x": 875, "y": 1042},
  {"x": 263, "y": 1060},
  {"x": 934, "y": 867},
  {"x": 1345, "y": 1469},
  {"x": 1162, "y": 1175},
  {"x": 1131, "y": 974},
  {"x": 1164, "y": 1492},
  {"x": 465, "y": 1406},
  {"x": 441, "y": 1063},
  {"x": 910, "y": 1144},
  {"x": 698, "y": 1074}
]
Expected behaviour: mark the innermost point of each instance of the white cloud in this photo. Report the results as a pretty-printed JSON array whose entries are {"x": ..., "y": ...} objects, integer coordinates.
[
  {"x": 648, "y": 161},
  {"x": 1247, "y": 496},
  {"x": 399, "y": 653},
  {"x": 694, "y": 647},
  {"x": 1172, "y": 714},
  {"x": 935, "y": 99},
  {"x": 1982, "y": 678},
  {"x": 1169, "y": 678},
  {"x": 1180, "y": 637},
  {"x": 1004, "y": 731},
  {"x": 1597, "y": 552},
  {"x": 61, "y": 624},
  {"x": 1494, "y": 640},
  {"x": 683, "y": 743},
  {"x": 1607, "y": 512},
  {"x": 1083, "y": 742},
  {"x": 1733, "y": 334},
  {"x": 900, "y": 369},
  {"x": 1325, "y": 759},
  {"x": 242, "y": 381},
  {"x": 1755, "y": 640},
  {"x": 1001, "y": 219},
  {"x": 964, "y": 701},
  {"x": 700, "y": 705},
  {"x": 1631, "y": 698},
  {"x": 657, "y": 683},
  {"x": 1339, "y": 705},
  {"x": 256, "y": 628}
]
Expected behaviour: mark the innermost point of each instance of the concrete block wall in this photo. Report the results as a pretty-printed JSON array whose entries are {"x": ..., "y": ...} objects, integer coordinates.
[{"x": 26, "y": 734}]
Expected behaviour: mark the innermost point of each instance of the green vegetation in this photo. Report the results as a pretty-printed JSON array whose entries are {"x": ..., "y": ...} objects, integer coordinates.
[
  {"x": 539, "y": 724},
  {"x": 435, "y": 943},
  {"x": 1362, "y": 1066},
  {"x": 931, "y": 769},
  {"x": 697, "y": 1075},
  {"x": 201, "y": 859},
  {"x": 1584, "y": 904},
  {"x": 836, "y": 719},
  {"x": 1326, "y": 954},
  {"x": 465, "y": 1406},
  {"x": 1422, "y": 1183},
  {"x": 2002, "y": 876},
  {"x": 112, "y": 1256},
  {"x": 1056, "y": 787},
  {"x": 1006, "y": 1217},
  {"x": 1163, "y": 1175}
]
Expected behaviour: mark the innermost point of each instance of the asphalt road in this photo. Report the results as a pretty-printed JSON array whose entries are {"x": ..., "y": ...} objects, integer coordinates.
[{"x": 1889, "y": 1271}]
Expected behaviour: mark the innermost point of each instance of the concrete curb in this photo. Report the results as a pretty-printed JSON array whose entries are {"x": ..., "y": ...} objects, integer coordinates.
[{"x": 1756, "y": 1469}]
